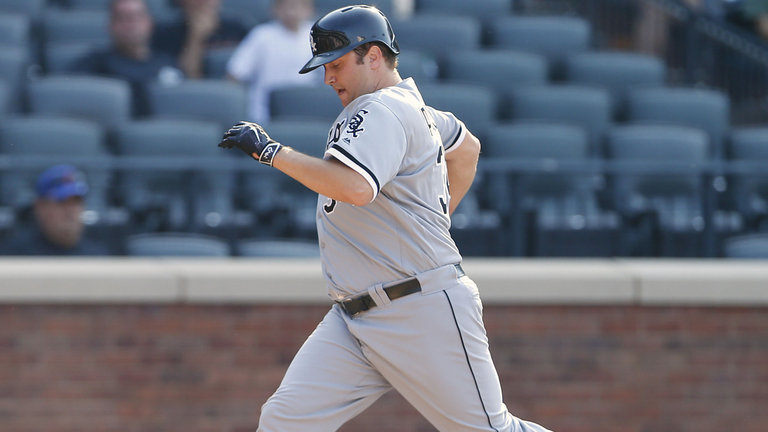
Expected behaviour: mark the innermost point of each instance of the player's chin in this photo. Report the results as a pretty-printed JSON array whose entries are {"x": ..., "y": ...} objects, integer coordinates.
[{"x": 343, "y": 97}]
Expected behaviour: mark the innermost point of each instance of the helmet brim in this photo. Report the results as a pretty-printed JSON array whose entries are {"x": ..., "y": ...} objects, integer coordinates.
[{"x": 322, "y": 58}]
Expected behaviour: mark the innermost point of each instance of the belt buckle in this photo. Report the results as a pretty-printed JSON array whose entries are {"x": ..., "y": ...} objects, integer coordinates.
[{"x": 343, "y": 304}]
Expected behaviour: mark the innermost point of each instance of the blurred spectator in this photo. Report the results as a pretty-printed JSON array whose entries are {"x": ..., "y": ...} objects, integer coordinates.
[
  {"x": 130, "y": 57},
  {"x": 200, "y": 28},
  {"x": 58, "y": 228},
  {"x": 753, "y": 14},
  {"x": 272, "y": 54}
]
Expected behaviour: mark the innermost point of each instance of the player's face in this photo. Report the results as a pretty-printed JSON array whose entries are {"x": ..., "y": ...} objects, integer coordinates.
[{"x": 349, "y": 78}]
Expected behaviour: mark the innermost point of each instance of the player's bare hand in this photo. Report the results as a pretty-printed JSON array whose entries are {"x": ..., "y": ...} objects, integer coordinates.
[{"x": 253, "y": 140}]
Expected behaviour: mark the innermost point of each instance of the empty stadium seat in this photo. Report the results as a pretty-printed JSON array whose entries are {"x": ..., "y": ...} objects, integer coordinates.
[
  {"x": 220, "y": 101},
  {"x": 304, "y": 103},
  {"x": 752, "y": 246},
  {"x": 13, "y": 67},
  {"x": 106, "y": 101},
  {"x": 583, "y": 106},
  {"x": 176, "y": 244},
  {"x": 176, "y": 199},
  {"x": 215, "y": 62},
  {"x": 554, "y": 37},
  {"x": 421, "y": 67},
  {"x": 483, "y": 9},
  {"x": 439, "y": 36},
  {"x": 554, "y": 213},
  {"x": 68, "y": 141},
  {"x": 280, "y": 248},
  {"x": 501, "y": 71},
  {"x": 475, "y": 105},
  {"x": 29, "y": 8},
  {"x": 75, "y": 25},
  {"x": 616, "y": 71},
  {"x": 750, "y": 191},
  {"x": 14, "y": 29},
  {"x": 63, "y": 58},
  {"x": 665, "y": 208},
  {"x": 705, "y": 109},
  {"x": 324, "y": 6}
]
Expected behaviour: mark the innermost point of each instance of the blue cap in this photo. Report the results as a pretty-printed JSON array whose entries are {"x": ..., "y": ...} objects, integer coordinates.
[{"x": 61, "y": 182}]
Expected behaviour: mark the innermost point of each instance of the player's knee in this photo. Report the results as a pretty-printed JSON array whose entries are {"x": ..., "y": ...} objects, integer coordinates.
[{"x": 274, "y": 415}]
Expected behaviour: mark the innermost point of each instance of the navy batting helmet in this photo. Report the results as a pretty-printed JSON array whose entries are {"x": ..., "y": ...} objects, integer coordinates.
[{"x": 342, "y": 30}]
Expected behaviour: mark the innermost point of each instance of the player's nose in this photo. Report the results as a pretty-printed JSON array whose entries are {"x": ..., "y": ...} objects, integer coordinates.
[{"x": 329, "y": 78}]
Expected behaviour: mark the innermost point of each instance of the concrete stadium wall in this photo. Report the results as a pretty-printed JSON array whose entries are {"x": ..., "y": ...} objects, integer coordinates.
[{"x": 198, "y": 345}]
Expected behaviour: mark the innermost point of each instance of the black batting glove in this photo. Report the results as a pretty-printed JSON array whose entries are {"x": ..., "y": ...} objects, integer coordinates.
[{"x": 252, "y": 140}]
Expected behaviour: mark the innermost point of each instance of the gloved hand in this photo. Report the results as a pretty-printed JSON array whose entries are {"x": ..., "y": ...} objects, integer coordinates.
[{"x": 253, "y": 140}]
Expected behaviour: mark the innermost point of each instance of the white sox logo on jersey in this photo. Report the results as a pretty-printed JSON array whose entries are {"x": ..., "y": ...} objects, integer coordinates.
[
  {"x": 356, "y": 123},
  {"x": 335, "y": 133}
]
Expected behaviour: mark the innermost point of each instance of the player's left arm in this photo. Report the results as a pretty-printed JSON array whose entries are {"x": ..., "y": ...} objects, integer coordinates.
[{"x": 461, "y": 162}]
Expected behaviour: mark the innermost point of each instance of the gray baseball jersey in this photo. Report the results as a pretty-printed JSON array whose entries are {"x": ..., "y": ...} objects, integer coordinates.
[{"x": 398, "y": 145}]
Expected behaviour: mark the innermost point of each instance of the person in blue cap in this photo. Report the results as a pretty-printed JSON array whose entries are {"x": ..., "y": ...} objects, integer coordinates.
[{"x": 60, "y": 190}]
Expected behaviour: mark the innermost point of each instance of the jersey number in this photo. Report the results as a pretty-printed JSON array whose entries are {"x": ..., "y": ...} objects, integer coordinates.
[{"x": 443, "y": 198}]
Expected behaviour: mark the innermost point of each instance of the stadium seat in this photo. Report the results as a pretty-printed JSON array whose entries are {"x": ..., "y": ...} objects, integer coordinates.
[
  {"x": 438, "y": 36},
  {"x": 304, "y": 103},
  {"x": 98, "y": 5},
  {"x": 500, "y": 71},
  {"x": 554, "y": 37},
  {"x": 250, "y": 12},
  {"x": 75, "y": 26},
  {"x": 106, "y": 101},
  {"x": 324, "y": 6},
  {"x": 62, "y": 58},
  {"x": 483, "y": 9},
  {"x": 664, "y": 210},
  {"x": 279, "y": 248},
  {"x": 176, "y": 199},
  {"x": 750, "y": 191},
  {"x": 220, "y": 101},
  {"x": 13, "y": 67},
  {"x": 215, "y": 62},
  {"x": 704, "y": 109},
  {"x": 584, "y": 106},
  {"x": 14, "y": 29},
  {"x": 5, "y": 99},
  {"x": 553, "y": 213},
  {"x": 30, "y": 8},
  {"x": 68, "y": 141},
  {"x": 421, "y": 67},
  {"x": 616, "y": 71},
  {"x": 176, "y": 244},
  {"x": 751, "y": 246},
  {"x": 475, "y": 105}
]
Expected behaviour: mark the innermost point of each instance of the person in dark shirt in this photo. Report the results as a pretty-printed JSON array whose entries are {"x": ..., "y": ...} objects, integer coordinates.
[
  {"x": 200, "y": 28},
  {"x": 58, "y": 229},
  {"x": 130, "y": 56}
]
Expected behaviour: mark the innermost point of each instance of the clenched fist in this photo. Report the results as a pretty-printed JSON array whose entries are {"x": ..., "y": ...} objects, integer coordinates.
[{"x": 253, "y": 140}]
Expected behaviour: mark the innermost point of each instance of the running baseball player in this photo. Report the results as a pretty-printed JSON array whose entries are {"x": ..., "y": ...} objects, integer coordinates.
[{"x": 405, "y": 314}]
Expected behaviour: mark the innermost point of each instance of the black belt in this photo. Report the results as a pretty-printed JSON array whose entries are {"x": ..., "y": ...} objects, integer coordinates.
[{"x": 364, "y": 302}]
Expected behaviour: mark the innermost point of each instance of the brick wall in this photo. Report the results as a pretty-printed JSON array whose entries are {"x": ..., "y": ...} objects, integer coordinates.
[{"x": 147, "y": 368}]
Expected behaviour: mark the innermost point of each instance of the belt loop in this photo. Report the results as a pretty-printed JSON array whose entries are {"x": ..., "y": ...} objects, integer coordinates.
[{"x": 378, "y": 295}]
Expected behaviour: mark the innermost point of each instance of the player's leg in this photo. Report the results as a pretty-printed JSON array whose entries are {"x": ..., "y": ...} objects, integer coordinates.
[
  {"x": 328, "y": 382},
  {"x": 439, "y": 359}
]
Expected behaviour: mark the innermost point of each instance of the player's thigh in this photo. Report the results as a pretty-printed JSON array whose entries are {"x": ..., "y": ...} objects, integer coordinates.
[
  {"x": 433, "y": 349},
  {"x": 328, "y": 382}
]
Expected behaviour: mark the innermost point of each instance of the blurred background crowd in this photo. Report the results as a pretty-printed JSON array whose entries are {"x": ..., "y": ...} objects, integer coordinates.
[{"x": 609, "y": 127}]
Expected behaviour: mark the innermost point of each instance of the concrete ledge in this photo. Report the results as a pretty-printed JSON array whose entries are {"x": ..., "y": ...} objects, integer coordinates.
[{"x": 299, "y": 281}]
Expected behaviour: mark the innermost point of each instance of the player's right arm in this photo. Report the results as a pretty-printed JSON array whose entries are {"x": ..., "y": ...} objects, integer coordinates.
[{"x": 330, "y": 177}]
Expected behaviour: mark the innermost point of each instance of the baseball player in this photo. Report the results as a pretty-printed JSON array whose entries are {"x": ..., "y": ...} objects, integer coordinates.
[{"x": 405, "y": 314}]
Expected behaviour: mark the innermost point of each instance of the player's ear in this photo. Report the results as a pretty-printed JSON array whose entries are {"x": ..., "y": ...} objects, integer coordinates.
[{"x": 375, "y": 56}]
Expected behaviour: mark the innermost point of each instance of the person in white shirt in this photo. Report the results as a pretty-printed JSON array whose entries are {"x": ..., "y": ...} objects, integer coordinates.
[{"x": 271, "y": 53}]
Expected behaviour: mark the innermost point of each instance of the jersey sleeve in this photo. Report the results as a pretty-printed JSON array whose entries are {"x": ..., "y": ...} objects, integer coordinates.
[
  {"x": 371, "y": 141},
  {"x": 452, "y": 130}
]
